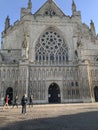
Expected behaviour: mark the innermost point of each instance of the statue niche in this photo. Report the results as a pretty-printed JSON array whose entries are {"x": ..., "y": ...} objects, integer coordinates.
[
  {"x": 24, "y": 43},
  {"x": 25, "y": 47}
]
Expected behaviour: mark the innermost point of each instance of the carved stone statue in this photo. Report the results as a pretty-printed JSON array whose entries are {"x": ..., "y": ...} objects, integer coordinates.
[{"x": 24, "y": 44}]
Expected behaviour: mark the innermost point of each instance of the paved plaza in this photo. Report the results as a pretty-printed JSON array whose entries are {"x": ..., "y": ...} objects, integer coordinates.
[{"x": 51, "y": 117}]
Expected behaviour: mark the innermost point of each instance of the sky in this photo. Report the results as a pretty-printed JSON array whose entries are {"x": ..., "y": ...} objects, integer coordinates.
[{"x": 11, "y": 8}]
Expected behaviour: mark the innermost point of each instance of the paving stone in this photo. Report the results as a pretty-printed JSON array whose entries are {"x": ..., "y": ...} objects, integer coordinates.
[{"x": 51, "y": 117}]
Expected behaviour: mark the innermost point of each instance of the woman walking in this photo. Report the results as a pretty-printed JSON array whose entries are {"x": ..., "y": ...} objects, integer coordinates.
[{"x": 6, "y": 101}]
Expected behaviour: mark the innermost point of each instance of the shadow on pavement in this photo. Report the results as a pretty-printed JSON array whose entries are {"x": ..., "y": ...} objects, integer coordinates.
[{"x": 81, "y": 121}]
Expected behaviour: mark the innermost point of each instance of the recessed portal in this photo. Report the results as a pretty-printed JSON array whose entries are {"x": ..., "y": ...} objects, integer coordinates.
[
  {"x": 54, "y": 93},
  {"x": 9, "y": 92},
  {"x": 96, "y": 93}
]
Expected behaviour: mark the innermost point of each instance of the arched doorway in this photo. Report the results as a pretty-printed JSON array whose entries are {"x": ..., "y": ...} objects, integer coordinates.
[
  {"x": 9, "y": 92},
  {"x": 54, "y": 93},
  {"x": 96, "y": 93}
]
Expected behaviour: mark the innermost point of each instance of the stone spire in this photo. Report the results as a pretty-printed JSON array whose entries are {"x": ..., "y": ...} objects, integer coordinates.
[
  {"x": 73, "y": 7},
  {"x": 29, "y": 5},
  {"x": 7, "y": 23},
  {"x": 92, "y": 28}
]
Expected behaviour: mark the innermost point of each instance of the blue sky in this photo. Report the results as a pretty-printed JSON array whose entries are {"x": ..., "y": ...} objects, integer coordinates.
[{"x": 88, "y": 8}]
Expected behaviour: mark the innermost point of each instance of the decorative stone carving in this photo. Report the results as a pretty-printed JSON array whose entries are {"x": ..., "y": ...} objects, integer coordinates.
[
  {"x": 73, "y": 7},
  {"x": 51, "y": 48},
  {"x": 50, "y": 12},
  {"x": 92, "y": 28},
  {"x": 51, "y": 53},
  {"x": 29, "y": 4},
  {"x": 24, "y": 44}
]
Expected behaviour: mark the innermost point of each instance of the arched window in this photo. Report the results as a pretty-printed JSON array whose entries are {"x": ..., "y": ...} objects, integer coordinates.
[
  {"x": 51, "y": 48},
  {"x": 13, "y": 73},
  {"x": 4, "y": 73},
  {"x": 76, "y": 83},
  {"x": 96, "y": 59},
  {"x": 8, "y": 73},
  {"x": 72, "y": 83}
]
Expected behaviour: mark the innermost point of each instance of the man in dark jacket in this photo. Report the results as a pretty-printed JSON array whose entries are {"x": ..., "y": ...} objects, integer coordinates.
[{"x": 24, "y": 103}]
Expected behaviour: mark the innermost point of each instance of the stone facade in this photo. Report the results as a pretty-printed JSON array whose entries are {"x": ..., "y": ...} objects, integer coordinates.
[{"x": 49, "y": 55}]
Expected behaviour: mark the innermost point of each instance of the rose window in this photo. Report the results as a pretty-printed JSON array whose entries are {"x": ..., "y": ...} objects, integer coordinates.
[{"x": 51, "y": 48}]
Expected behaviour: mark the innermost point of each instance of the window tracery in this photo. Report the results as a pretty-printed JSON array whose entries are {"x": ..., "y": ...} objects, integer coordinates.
[
  {"x": 51, "y": 48},
  {"x": 50, "y": 12}
]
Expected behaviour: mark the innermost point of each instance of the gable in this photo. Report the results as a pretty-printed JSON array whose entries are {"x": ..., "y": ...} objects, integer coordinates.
[{"x": 50, "y": 9}]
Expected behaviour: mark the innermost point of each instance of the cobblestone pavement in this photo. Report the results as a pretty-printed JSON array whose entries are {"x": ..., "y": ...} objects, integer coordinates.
[{"x": 51, "y": 117}]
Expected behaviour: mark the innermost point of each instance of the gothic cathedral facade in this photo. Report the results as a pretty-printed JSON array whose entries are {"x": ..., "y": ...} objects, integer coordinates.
[{"x": 49, "y": 55}]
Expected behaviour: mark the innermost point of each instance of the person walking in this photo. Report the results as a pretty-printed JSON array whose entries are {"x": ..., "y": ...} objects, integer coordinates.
[
  {"x": 2, "y": 103},
  {"x": 24, "y": 103},
  {"x": 6, "y": 101},
  {"x": 30, "y": 101},
  {"x": 15, "y": 103}
]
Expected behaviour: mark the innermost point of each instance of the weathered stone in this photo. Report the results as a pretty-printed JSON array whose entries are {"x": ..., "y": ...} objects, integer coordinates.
[{"x": 49, "y": 55}]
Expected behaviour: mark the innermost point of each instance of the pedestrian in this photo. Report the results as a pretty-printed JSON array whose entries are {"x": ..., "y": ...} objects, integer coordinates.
[
  {"x": 15, "y": 103},
  {"x": 6, "y": 101},
  {"x": 2, "y": 102},
  {"x": 30, "y": 101},
  {"x": 24, "y": 103}
]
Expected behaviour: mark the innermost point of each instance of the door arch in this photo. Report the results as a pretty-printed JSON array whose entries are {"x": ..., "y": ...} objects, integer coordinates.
[
  {"x": 96, "y": 93},
  {"x": 9, "y": 92},
  {"x": 54, "y": 93}
]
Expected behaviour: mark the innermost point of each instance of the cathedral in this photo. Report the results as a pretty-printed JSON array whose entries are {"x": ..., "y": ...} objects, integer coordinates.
[{"x": 49, "y": 55}]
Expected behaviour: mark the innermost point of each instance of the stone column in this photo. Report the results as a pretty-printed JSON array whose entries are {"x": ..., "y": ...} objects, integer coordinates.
[{"x": 24, "y": 76}]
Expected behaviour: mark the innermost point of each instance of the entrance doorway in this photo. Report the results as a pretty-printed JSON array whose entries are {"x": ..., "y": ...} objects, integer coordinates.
[
  {"x": 96, "y": 93},
  {"x": 9, "y": 92},
  {"x": 54, "y": 93}
]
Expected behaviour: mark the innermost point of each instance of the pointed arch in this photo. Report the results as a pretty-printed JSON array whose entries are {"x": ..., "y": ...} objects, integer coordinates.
[
  {"x": 9, "y": 92},
  {"x": 54, "y": 93},
  {"x": 51, "y": 47}
]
